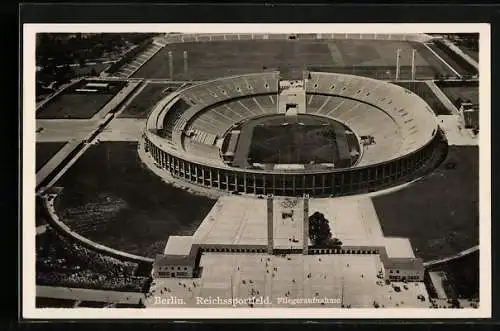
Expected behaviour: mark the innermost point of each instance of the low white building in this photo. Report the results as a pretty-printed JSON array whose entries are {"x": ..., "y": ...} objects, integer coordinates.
[{"x": 179, "y": 259}]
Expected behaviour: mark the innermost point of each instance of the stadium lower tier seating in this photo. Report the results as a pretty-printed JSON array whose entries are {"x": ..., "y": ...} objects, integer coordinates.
[
  {"x": 202, "y": 150},
  {"x": 172, "y": 116}
]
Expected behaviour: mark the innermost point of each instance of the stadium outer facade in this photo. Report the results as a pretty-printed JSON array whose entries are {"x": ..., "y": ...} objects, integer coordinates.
[{"x": 166, "y": 141}]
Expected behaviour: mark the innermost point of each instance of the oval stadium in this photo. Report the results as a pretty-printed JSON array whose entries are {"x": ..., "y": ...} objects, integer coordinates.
[
  {"x": 173, "y": 168},
  {"x": 332, "y": 134}
]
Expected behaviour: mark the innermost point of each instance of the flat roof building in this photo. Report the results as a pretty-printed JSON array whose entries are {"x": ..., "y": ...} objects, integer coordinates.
[{"x": 260, "y": 246}]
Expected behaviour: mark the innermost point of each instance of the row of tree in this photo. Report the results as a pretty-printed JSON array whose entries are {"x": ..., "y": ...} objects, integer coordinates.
[
  {"x": 56, "y": 52},
  {"x": 65, "y": 48}
]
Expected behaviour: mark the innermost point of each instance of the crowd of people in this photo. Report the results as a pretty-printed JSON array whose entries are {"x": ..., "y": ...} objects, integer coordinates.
[{"x": 62, "y": 262}]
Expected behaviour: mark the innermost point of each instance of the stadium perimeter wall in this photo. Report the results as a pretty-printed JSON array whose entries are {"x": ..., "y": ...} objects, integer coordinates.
[
  {"x": 54, "y": 220},
  {"x": 335, "y": 182},
  {"x": 169, "y": 156},
  {"x": 181, "y": 38}
]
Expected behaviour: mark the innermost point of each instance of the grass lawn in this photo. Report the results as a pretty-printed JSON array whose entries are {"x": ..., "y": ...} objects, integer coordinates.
[
  {"x": 373, "y": 58},
  {"x": 77, "y": 105},
  {"x": 440, "y": 213},
  {"x": 463, "y": 92},
  {"x": 143, "y": 103},
  {"x": 462, "y": 275},
  {"x": 110, "y": 197}
]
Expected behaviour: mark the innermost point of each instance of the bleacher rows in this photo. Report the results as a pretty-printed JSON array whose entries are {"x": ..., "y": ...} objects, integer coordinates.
[
  {"x": 398, "y": 119},
  {"x": 363, "y": 119},
  {"x": 410, "y": 115},
  {"x": 216, "y": 91},
  {"x": 203, "y": 137},
  {"x": 197, "y": 37},
  {"x": 214, "y": 121},
  {"x": 128, "y": 69},
  {"x": 219, "y": 119}
]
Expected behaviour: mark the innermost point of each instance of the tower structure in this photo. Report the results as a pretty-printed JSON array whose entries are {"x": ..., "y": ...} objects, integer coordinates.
[{"x": 270, "y": 224}]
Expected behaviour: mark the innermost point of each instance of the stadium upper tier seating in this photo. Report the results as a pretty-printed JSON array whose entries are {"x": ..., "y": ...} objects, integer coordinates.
[
  {"x": 364, "y": 120},
  {"x": 413, "y": 118},
  {"x": 399, "y": 121}
]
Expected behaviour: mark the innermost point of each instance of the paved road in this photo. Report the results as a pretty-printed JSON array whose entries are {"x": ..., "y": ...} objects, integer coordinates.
[
  {"x": 81, "y": 294},
  {"x": 449, "y": 258}
]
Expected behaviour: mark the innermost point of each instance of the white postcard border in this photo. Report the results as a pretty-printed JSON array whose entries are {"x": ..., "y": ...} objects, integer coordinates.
[{"x": 28, "y": 289}]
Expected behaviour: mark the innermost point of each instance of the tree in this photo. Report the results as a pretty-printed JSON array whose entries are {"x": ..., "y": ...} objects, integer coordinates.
[
  {"x": 319, "y": 229},
  {"x": 81, "y": 62},
  {"x": 64, "y": 74}
]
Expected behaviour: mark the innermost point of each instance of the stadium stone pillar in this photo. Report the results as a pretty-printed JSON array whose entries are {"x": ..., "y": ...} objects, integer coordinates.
[
  {"x": 413, "y": 68},
  {"x": 305, "y": 240},
  {"x": 171, "y": 65},
  {"x": 398, "y": 57},
  {"x": 270, "y": 224},
  {"x": 185, "y": 57}
]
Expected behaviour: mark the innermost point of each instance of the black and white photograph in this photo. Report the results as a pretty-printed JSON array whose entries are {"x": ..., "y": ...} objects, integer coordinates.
[{"x": 190, "y": 170}]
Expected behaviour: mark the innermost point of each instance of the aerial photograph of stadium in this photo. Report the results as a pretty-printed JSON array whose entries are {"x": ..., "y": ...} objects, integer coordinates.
[{"x": 248, "y": 170}]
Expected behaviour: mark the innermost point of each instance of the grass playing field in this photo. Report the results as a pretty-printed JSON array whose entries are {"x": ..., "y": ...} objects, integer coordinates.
[
  {"x": 142, "y": 104},
  {"x": 111, "y": 198},
  {"x": 265, "y": 140},
  {"x": 464, "y": 93},
  {"x": 293, "y": 143},
  {"x": 440, "y": 213},
  {"x": 373, "y": 58},
  {"x": 45, "y": 151},
  {"x": 76, "y": 105},
  {"x": 460, "y": 90}
]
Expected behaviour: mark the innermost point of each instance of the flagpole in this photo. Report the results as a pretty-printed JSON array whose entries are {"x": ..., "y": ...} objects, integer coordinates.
[{"x": 342, "y": 296}]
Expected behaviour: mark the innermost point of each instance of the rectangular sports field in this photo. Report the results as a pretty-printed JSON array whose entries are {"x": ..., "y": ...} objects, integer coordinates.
[
  {"x": 45, "y": 151},
  {"x": 460, "y": 90},
  {"x": 77, "y": 105},
  {"x": 464, "y": 93},
  {"x": 142, "y": 103},
  {"x": 439, "y": 213},
  {"x": 110, "y": 197},
  {"x": 295, "y": 144},
  {"x": 374, "y": 58}
]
